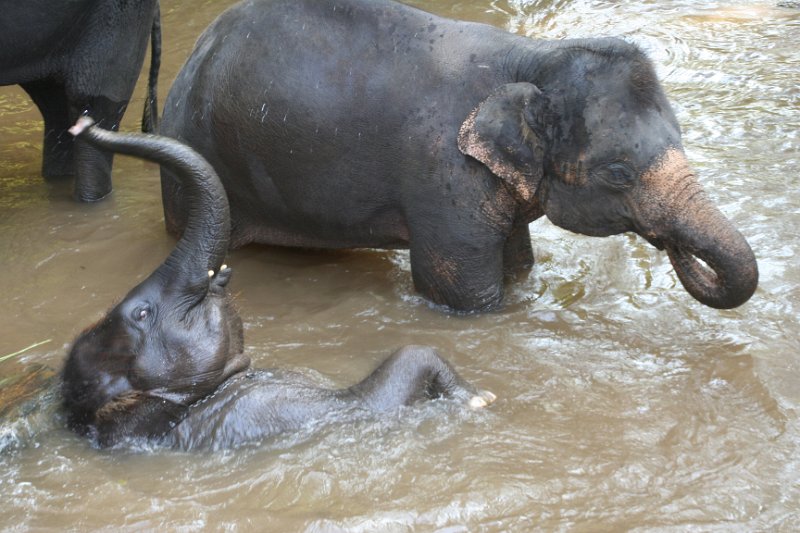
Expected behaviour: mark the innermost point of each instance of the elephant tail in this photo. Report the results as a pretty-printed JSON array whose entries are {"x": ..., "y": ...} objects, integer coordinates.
[{"x": 150, "y": 113}]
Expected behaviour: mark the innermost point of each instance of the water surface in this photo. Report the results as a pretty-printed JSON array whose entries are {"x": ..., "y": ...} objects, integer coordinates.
[{"x": 623, "y": 403}]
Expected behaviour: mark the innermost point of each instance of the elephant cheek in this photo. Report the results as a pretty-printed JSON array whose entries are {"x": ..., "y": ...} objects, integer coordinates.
[
  {"x": 585, "y": 210},
  {"x": 557, "y": 206}
]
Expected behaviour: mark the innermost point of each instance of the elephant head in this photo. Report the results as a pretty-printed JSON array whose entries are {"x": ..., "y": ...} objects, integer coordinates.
[
  {"x": 175, "y": 337},
  {"x": 593, "y": 143}
]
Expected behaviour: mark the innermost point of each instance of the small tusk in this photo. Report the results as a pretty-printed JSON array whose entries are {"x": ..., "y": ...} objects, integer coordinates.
[
  {"x": 223, "y": 267},
  {"x": 210, "y": 273}
]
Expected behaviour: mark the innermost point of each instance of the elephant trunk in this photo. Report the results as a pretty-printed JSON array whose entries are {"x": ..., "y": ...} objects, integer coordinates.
[
  {"x": 733, "y": 274},
  {"x": 204, "y": 242},
  {"x": 695, "y": 230}
]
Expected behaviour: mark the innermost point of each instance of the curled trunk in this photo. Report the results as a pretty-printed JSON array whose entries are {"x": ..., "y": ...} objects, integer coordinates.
[
  {"x": 690, "y": 227},
  {"x": 731, "y": 275}
]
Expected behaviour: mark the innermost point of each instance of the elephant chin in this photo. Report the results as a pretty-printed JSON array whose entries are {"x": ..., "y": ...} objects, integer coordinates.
[{"x": 710, "y": 286}]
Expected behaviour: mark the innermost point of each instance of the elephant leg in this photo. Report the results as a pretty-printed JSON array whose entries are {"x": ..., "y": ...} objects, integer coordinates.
[
  {"x": 93, "y": 165},
  {"x": 463, "y": 272},
  {"x": 416, "y": 373},
  {"x": 518, "y": 252},
  {"x": 58, "y": 147}
]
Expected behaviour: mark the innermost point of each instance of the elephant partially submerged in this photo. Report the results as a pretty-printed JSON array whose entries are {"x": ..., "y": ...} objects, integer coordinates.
[
  {"x": 75, "y": 57},
  {"x": 166, "y": 364},
  {"x": 368, "y": 123}
]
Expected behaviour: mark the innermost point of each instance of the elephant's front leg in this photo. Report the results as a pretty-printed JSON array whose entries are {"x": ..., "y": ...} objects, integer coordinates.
[
  {"x": 415, "y": 373},
  {"x": 462, "y": 271},
  {"x": 518, "y": 252}
]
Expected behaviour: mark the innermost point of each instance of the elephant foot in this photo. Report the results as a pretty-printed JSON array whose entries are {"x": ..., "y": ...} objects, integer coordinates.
[
  {"x": 484, "y": 398},
  {"x": 90, "y": 195}
]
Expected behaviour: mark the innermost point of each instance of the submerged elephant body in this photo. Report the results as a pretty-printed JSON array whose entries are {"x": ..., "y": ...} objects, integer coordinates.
[
  {"x": 367, "y": 123},
  {"x": 166, "y": 366},
  {"x": 258, "y": 404},
  {"x": 75, "y": 57}
]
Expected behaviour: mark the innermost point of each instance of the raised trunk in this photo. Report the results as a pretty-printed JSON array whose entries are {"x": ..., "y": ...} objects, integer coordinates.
[{"x": 205, "y": 240}]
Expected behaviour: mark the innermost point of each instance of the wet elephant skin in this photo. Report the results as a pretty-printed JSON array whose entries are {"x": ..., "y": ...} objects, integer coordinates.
[
  {"x": 165, "y": 366},
  {"x": 374, "y": 124}
]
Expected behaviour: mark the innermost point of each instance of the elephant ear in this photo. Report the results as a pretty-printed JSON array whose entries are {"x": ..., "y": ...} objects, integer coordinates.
[{"x": 499, "y": 134}]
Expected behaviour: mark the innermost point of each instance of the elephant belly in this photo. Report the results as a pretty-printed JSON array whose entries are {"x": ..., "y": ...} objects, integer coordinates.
[
  {"x": 378, "y": 235},
  {"x": 307, "y": 202}
]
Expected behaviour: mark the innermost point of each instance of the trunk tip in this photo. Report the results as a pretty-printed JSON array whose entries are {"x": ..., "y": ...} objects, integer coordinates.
[{"x": 82, "y": 124}]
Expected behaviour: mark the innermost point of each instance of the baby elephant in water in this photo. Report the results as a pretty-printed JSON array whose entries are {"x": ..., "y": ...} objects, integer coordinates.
[{"x": 166, "y": 365}]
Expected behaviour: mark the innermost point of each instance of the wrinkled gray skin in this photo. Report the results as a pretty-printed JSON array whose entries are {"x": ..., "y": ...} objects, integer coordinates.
[
  {"x": 165, "y": 365},
  {"x": 367, "y": 123},
  {"x": 75, "y": 57}
]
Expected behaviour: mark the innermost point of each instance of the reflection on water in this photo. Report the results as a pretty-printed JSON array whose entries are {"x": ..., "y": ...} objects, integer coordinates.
[{"x": 623, "y": 403}]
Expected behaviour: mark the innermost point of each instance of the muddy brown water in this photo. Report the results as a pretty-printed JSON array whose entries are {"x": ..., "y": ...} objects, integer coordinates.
[{"x": 623, "y": 404}]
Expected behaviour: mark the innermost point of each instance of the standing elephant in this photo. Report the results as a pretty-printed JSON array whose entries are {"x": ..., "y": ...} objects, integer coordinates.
[
  {"x": 165, "y": 365},
  {"x": 75, "y": 57},
  {"x": 368, "y": 123}
]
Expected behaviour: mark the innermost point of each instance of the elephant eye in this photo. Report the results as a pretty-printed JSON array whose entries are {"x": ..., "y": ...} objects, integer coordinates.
[
  {"x": 141, "y": 313},
  {"x": 619, "y": 175}
]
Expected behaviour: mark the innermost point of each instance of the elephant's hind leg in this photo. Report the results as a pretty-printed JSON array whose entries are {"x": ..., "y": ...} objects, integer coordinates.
[
  {"x": 58, "y": 147},
  {"x": 62, "y": 155},
  {"x": 92, "y": 164},
  {"x": 416, "y": 373}
]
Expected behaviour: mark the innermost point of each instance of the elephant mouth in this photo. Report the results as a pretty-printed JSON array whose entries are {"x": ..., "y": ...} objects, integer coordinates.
[
  {"x": 656, "y": 243},
  {"x": 186, "y": 391},
  {"x": 691, "y": 270},
  {"x": 697, "y": 276}
]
